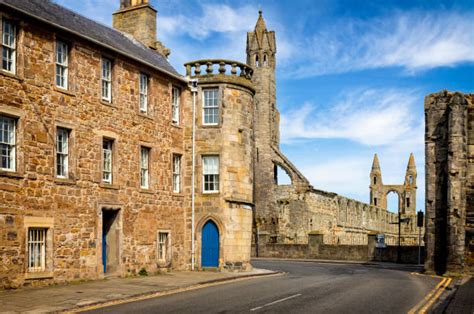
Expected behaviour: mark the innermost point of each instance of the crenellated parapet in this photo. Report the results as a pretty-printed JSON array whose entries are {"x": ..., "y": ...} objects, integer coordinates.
[{"x": 221, "y": 71}]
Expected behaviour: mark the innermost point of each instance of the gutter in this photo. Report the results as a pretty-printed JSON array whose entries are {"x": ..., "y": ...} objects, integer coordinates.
[{"x": 175, "y": 76}]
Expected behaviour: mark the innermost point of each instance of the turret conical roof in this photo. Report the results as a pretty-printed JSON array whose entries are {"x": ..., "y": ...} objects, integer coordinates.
[{"x": 375, "y": 163}]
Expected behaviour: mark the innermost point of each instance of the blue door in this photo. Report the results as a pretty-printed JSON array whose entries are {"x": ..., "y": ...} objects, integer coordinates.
[{"x": 210, "y": 245}]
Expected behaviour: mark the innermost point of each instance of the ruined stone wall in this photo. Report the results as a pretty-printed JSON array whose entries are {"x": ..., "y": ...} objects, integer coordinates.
[
  {"x": 232, "y": 141},
  {"x": 72, "y": 208},
  {"x": 449, "y": 182},
  {"x": 342, "y": 220}
]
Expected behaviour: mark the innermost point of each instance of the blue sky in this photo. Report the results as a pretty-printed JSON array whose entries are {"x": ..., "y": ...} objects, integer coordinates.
[{"x": 351, "y": 75}]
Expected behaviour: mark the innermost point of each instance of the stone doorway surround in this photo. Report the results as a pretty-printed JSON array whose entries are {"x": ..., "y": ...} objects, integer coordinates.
[{"x": 110, "y": 218}]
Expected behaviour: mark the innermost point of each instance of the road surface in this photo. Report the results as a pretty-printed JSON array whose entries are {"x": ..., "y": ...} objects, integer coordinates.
[{"x": 307, "y": 287}]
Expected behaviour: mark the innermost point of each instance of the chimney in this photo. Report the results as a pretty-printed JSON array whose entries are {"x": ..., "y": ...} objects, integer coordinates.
[{"x": 137, "y": 18}]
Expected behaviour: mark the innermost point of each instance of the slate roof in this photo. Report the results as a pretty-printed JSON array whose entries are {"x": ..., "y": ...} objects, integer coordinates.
[{"x": 101, "y": 34}]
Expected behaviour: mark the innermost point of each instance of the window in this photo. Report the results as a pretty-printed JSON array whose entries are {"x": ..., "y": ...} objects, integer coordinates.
[
  {"x": 408, "y": 202},
  {"x": 410, "y": 179},
  {"x": 8, "y": 46},
  {"x": 143, "y": 93},
  {"x": 37, "y": 249},
  {"x": 176, "y": 173},
  {"x": 210, "y": 165},
  {"x": 211, "y": 107},
  {"x": 62, "y": 64},
  {"x": 375, "y": 201},
  {"x": 163, "y": 246},
  {"x": 175, "y": 104},
  {"x": 7, "y": 143},
  {"x": 62, "y": 152},
  {"x": 257, "y": 63},
  {"x": 144, "y": 167},
  {"x": 265, "y": 61},
  {"x": 107, "y": 160},
  {"x": 375, "y": 180},
  {"x": 106, "y": 80}
]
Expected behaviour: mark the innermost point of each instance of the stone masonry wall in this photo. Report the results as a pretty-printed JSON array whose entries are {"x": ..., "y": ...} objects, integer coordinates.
[
  {"x": 72, "y": 208},
  {"x": 232, "y": 141},
  {"x": 449, "y": 148},
  {"x": 340, "y": 219}
]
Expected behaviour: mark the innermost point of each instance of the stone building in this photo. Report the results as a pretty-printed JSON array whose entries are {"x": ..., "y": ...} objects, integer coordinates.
[
  {"x": 288, "y": 213},
  {"x": 96, "y": 137},
  {"x": 449, "y": 148}
]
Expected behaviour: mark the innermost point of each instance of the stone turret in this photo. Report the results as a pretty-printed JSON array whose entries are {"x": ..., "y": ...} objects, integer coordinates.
[
  {"x": 138, "y": 18},
  {"x": 261, "y": 45}
]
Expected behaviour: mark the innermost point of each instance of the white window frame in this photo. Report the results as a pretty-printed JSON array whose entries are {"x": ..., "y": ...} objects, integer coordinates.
[
  {"x": 37, "y": 241},
  {"x": 210, "y": 105},
  {"x": 62, "y": 152},
  {"x": 8, "y": 53},
  {"x": 107, "y": 160},
  {"x": 163, "y": 246},
  {"x": 8, "y": 143},
  {"x": 144, "y": 167},
  {"x": 62, "y": 64},
  {"x": 176, "y": 173},
  {"x": 106, "y": 82},
  {"x": 210, "y": 173},
  {"x": 144, "y": 80},
  {"x": 175, "y": 104}
]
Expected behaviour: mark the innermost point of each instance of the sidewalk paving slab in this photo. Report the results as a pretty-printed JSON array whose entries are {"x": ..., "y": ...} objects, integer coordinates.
[{"x": 62, "y": 298}]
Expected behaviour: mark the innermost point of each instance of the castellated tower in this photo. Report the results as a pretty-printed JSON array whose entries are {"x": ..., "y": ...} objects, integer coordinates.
[{"x": 406, "y": 192}]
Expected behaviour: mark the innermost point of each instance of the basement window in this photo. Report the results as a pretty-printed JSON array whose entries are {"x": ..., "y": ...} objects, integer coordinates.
[{"x": 37, "y": 249}]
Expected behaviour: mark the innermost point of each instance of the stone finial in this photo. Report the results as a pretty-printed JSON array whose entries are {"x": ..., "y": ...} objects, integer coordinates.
[
  {"x": 375, "y": 163},
  {"x": 411, "y": 163}
]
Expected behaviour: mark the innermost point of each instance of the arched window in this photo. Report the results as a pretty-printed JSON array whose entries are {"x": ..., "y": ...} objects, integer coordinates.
[
  {"x": 265, "y": 61},
  {"x": 256, "y": 61},
  {"x": 393, "y": 202},
  {"x": 410, "y": 179},
  {"x": 375, "y": 201},
  {"x": 375, "y": 180}
]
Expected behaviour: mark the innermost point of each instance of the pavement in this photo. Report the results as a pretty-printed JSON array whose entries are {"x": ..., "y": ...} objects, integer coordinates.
[
  {"x": 460, "y": 300},
  {"x": 71, "y": 297}
]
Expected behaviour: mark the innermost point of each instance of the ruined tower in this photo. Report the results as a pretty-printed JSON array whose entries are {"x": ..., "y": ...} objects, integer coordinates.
[
  {"x": 261, "y": 56},
  {"x": 406, "y": 192}
]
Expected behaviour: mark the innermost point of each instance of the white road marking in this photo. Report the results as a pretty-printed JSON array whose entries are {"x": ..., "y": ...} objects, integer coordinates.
[{"x": 275, "y": 302}]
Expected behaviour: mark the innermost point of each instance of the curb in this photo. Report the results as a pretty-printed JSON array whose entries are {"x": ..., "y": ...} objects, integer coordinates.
[{"x": 155, "y": 294}]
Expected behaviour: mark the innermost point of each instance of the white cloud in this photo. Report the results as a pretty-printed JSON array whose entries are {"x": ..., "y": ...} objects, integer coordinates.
[
  {"x": 411, "y": 40},
  {"x": 370, "y": 117}
]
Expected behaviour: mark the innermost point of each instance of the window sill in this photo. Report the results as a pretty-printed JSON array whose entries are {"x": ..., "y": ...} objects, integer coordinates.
[
  {"x": 11, "y": 174},
  {"x": 177, "y": 194},
  {"x": 177, "y": 125},
  {"x": 211, "y": 193},
  {"x": 11, "y": 75},
  {"x": 110, "y": 186},
  {"x": 64, "y": 91},
  {"x": 107, "y": 103},
  {"x": 39, "y": 275},
  {"x": 146, "y": 191},
  {"x": 64, "y": 181},
  {"x": 145, "y": 115},
  {"x": 210, "y": 126}
]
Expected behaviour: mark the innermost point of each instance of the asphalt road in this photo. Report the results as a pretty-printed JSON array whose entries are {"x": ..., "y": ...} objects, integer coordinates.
[{"x": 306, "y": 288}]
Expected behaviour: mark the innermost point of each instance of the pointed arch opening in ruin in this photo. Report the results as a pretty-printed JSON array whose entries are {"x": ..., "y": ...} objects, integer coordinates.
[
  {"x": 281, "y": 175},
  {"x": 393, "y": 201}
]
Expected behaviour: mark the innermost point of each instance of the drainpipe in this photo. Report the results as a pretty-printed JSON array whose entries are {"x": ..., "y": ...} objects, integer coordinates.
[{"x": 194, "y": 90}]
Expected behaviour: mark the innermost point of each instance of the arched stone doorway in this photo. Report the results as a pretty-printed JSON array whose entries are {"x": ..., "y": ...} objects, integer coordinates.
[{"x": 210, "y": 241}]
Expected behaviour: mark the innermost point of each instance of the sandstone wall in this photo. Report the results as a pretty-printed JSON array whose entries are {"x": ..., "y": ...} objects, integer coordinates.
[
  {"x": 74, "y": 206},
  {"x": 232, "y": 141},
  {"x": 449, "y": 182},
  {"x": 342, "y": 220}
]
